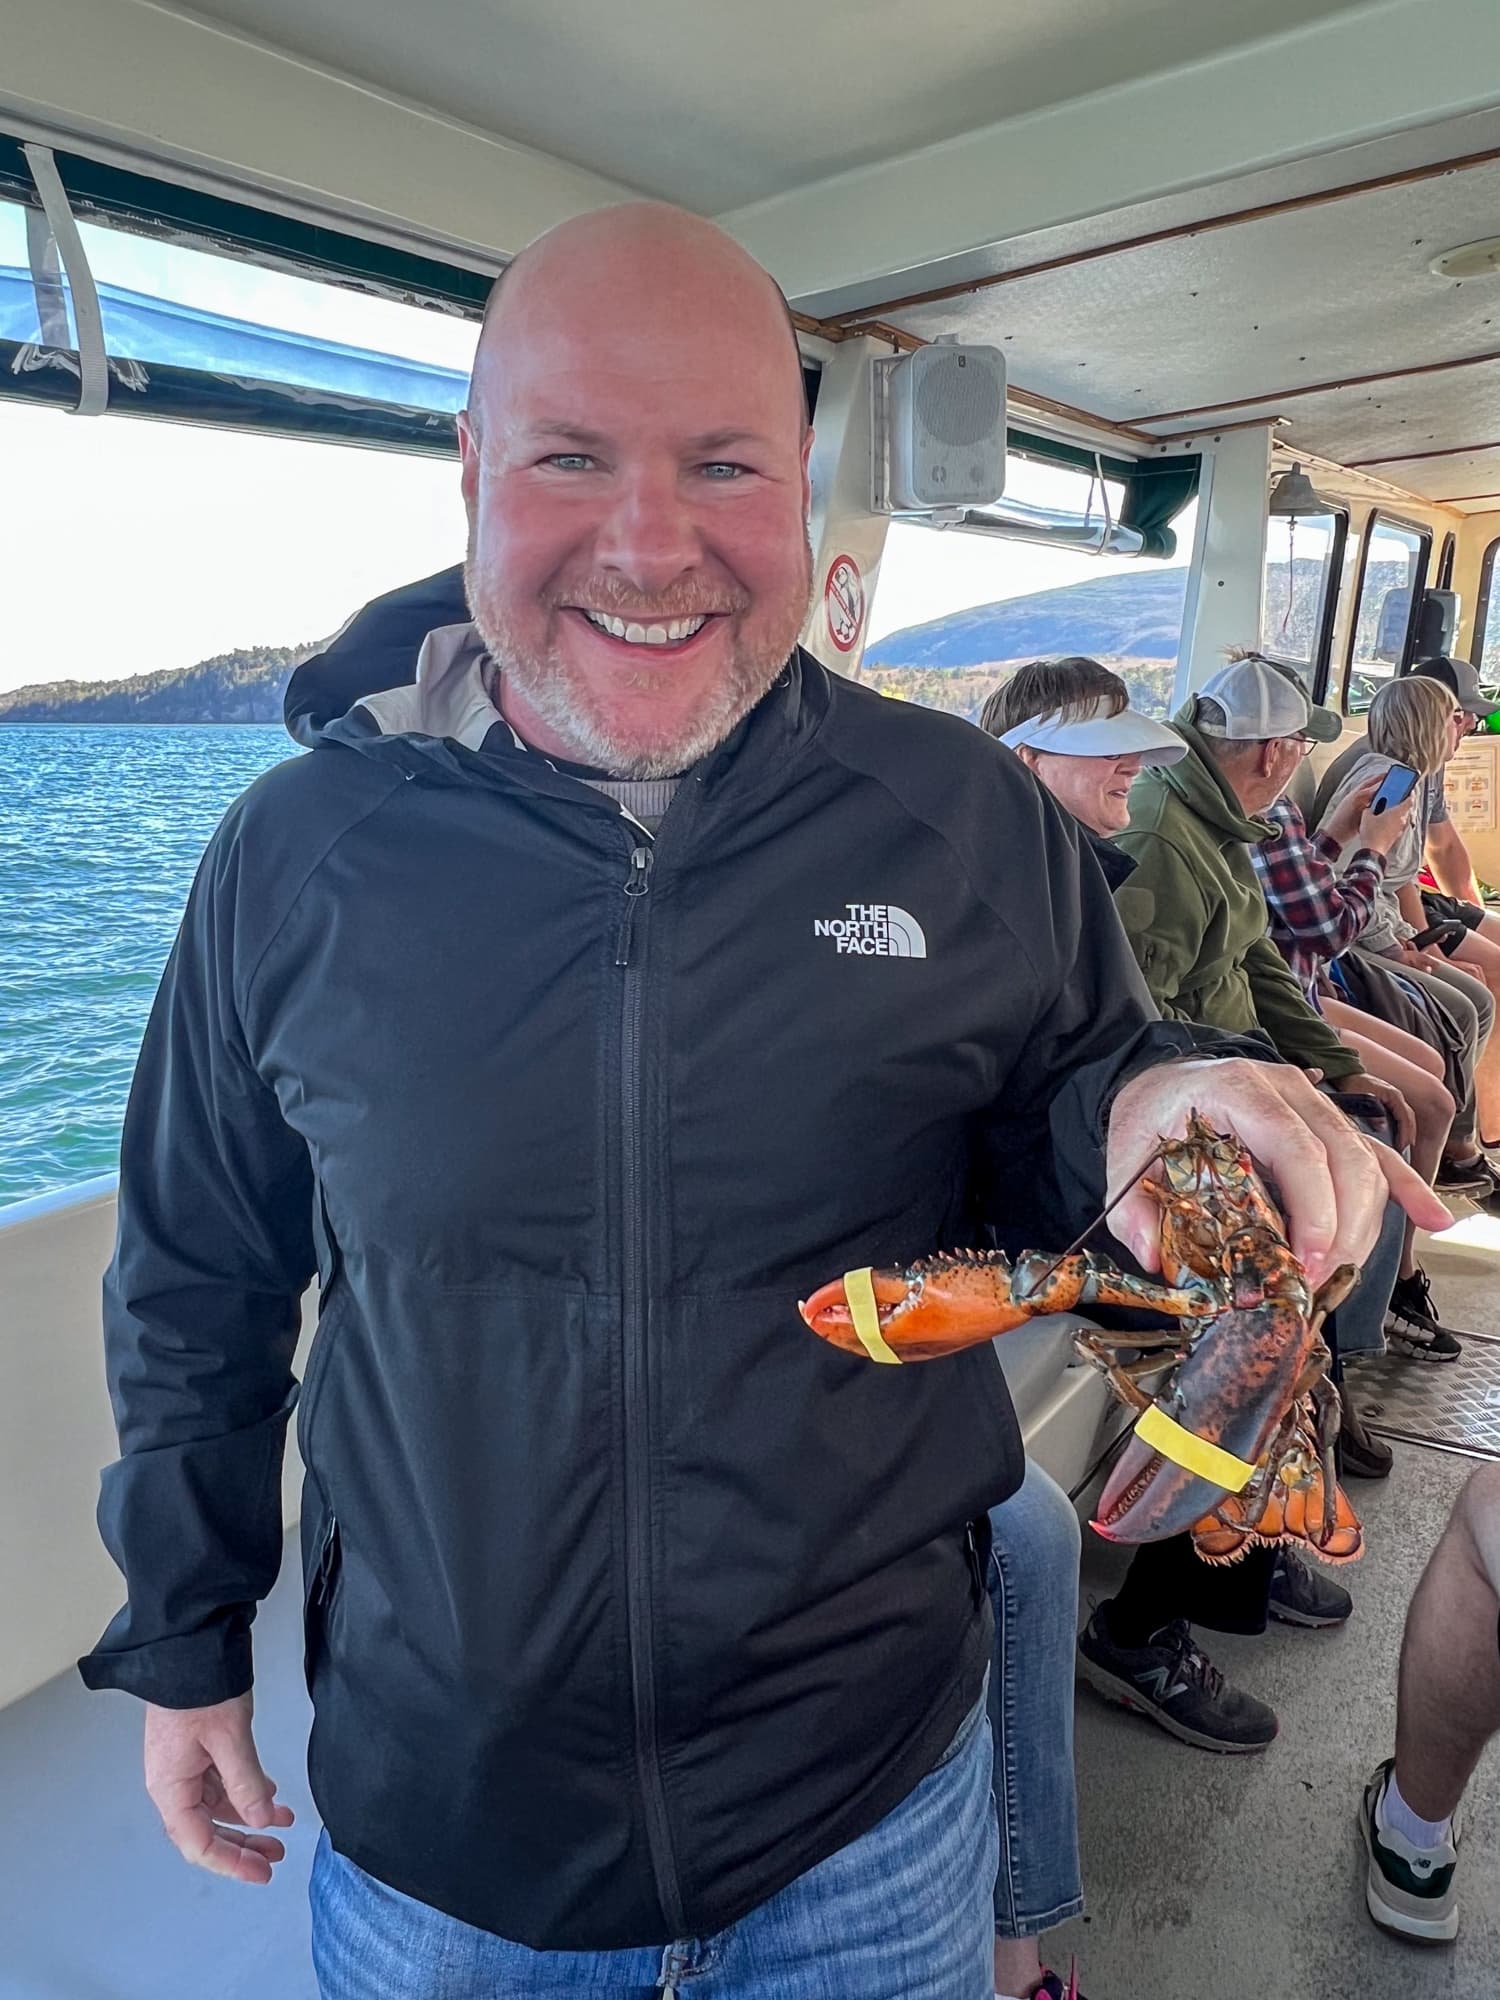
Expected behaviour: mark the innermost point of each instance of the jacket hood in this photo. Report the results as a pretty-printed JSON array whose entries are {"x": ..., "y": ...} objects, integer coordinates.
[
  {"x": 1197, "y": 782},
  {"x": 448, "y": 698}
]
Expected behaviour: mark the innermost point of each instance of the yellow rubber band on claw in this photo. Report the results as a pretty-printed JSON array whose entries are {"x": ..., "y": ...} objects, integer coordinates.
[
  {"x": 1193, "y": 1453},
  {"x": 859, "y": 1290}
]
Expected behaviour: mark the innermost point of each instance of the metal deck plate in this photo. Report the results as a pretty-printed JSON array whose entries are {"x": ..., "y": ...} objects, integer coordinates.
[{"x": 1453, "y": 1405}]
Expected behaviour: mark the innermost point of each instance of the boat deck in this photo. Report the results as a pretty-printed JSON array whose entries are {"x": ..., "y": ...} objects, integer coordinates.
[{"x": 1228, "y": 1878}]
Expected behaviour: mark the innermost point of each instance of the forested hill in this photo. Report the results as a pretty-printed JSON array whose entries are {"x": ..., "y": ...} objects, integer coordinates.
[
  {"x": 243, "y": 686},
  {"x": 1137, "y": 615},
  {"x": 1131, "y": 620}
]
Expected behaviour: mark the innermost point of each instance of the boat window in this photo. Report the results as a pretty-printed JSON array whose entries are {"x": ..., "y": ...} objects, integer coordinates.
[
  {"x": 1484, "y": 647},
  {"x": 161, "y": 581},
  {"x": 1304, "y": 556},
  {"x": 213, "y": 334},
  {"x": 954, "y": 612},
  {"x": 1392, "y": 571}
]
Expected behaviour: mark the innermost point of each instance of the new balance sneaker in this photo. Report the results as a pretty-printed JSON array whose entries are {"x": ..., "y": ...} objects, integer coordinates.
[
  {"x": 1300, "y": 1596},
  {"x": 1412, "y": 1326},
  {"x": 1176, "y": 1685},
  {"x": 1408, "y": 1889},
  {"x": 1361, "y": 1456}
]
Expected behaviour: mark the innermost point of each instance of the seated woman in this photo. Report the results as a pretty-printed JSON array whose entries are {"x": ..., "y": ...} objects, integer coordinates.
[{"x": 1416, "y": 722}]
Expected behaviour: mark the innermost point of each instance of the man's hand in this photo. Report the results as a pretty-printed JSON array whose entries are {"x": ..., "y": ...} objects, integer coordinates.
[
  {"x": 1361, "y": 1084},
  {"x": 205, "y": 1780},
  {"x": 1334, "y": 1181},
  {"x": 1346, "y": 819},
  {"x": 1428, "y": 960},
  {"x": 1380, "y": 831}
]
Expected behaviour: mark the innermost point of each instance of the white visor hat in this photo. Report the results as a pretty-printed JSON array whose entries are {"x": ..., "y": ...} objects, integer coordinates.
[{"x": 1097, "y": 733}]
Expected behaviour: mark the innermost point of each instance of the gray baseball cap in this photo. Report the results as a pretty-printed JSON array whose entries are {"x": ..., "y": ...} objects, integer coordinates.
[
  {"x": 1262, "y": 699},
  {"x": 1461, "y": 682}
]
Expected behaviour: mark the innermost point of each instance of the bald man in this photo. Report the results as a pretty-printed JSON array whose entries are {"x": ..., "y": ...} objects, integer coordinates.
[{"x": 570, "y": 1013}]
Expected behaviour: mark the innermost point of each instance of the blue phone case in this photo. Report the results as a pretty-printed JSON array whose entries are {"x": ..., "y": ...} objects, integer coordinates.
[{"x": 1398, "y": 784}]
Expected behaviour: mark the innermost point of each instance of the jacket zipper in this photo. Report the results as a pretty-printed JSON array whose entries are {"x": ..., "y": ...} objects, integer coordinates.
[{"x": 637, "y": 1423}]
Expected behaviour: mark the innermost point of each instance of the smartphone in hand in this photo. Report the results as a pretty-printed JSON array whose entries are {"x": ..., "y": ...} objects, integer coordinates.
[{"x": 1396, "y": 786}]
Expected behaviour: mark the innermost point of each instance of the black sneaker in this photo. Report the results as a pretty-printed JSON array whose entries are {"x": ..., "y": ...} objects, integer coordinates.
[
  {"x": 1360, "y": 1455},
  {"x": 1472, "y": 1177},
  {"x": 1299, "y": 1596},
  {"x": 1412, "y": 1326},
  {"x": 1176, "y": 1685},
  {"x": 1409, "y": 1890}
]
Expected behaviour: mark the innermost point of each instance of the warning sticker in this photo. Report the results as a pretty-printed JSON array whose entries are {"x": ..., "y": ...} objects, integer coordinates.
[{"x": 844, "y": 602}]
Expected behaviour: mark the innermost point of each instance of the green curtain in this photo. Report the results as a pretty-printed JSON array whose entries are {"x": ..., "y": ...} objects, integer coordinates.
[
  {"x": 1155, "y": 494},
  {"x": 1156, "y": 489}
]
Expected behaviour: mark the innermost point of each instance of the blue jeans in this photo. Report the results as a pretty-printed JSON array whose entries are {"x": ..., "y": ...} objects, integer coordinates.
[
  {"x": 1359, "y": 1323},
  {"x": 1033, "y": 1584},
  {"x": 902, "y": 1913}
]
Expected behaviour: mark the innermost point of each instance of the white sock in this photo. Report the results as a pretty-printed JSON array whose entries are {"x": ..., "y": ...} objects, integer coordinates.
[{"x": 1394, "y": 1815}]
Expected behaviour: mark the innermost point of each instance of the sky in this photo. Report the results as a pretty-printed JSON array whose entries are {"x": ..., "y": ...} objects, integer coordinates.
[{"x": 132, "y": 546}]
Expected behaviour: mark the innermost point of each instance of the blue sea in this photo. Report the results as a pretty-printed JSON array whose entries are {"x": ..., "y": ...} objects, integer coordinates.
[{"x": 100, "y": 833}]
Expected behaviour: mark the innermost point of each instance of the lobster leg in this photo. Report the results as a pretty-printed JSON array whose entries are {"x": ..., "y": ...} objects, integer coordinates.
[{"x": 1122, "y": 1375}]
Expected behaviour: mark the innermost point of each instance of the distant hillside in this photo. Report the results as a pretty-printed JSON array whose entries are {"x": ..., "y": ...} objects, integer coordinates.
[
  {"x": 243, "y": 686},
  {"x": 1131, "y": 622},
  {"x": 1137, "y": 615}
]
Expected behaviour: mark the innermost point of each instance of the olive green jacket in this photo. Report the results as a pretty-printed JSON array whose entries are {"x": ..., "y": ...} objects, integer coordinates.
[{"x": 1195, "y": 913}]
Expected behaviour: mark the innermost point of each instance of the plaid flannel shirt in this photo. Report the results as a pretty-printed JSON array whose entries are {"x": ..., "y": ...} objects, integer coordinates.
[{"x": 1316, "y": 912}]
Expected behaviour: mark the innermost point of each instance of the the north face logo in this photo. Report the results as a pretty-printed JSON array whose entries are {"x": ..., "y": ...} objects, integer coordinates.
[{"x": 874, "y": 930}]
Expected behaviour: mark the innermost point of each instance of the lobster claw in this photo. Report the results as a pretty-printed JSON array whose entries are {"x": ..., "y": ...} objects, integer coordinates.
[{"x": 931, "y": 1309}]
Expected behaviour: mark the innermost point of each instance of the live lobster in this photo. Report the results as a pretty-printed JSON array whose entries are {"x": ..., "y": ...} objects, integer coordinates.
[{"x": 1235, "y": 1446}]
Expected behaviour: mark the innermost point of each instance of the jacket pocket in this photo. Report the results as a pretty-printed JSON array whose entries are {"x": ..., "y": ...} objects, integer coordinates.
[{"x": 321, "y": 1583}]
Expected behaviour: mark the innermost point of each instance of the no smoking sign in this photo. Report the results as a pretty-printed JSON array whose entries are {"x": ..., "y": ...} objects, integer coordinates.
[{"x": 844, "y": 602}]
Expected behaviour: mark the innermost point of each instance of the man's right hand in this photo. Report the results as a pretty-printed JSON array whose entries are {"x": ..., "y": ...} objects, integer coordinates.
[{"x": 205, "y": 1780}]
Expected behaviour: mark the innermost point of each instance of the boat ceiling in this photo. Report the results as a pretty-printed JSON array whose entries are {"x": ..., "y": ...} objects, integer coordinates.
[
  {"x": 721, "y": 105},
  {"x": 873, "y": 153}
]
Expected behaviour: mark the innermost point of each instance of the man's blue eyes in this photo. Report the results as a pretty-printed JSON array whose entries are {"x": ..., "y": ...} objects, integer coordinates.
[{"x": 721, "y": 471}]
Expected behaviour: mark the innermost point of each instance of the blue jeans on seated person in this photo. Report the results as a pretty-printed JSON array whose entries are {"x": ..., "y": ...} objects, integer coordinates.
[
  {"x": 1358, "y": 1327},
  {"x": 1033, "y": 1584},
  {"x": 902, "y": 1913}
]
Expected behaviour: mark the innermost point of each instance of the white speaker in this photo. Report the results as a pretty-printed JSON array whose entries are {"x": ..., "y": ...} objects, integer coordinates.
[{"x": 938, "y": 429}]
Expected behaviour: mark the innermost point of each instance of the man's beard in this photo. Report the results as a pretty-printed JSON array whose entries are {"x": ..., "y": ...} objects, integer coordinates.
[{"x": 561, "y": 698}]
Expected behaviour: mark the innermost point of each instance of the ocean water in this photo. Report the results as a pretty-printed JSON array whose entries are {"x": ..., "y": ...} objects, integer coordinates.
[{"x": 100, "y": 833}]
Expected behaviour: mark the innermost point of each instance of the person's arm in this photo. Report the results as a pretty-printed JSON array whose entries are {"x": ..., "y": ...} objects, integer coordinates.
[
  {"x": 1409, "y": 902},
  {"x": 1449, "y": 861},
  {"x": 201, "y": 1317},
  {"x": 1321, "y": 908}
]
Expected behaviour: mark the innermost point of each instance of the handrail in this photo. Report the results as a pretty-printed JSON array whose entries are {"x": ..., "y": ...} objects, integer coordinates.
[{"x": 80, "y": 1195}]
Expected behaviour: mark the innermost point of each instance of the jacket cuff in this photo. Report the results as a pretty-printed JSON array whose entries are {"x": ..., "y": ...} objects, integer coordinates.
[{"x": 194, "y": 1670}]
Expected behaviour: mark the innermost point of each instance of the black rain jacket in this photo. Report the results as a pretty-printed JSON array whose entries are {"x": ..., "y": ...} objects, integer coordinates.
[{"x": 628, "y": 1599}]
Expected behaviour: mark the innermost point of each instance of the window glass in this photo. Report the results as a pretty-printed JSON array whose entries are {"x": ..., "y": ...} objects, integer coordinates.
[
  {"x": 955, "y": 613},
  {"x": 1485, "y": 650},
  {"x": 195, "y": 309},
  {"x": 160, "y": 583},
  {"x": 1394, "y": 559},
  {"x": 18, "y": 314},
  {"x": 1300, "y": 571}
]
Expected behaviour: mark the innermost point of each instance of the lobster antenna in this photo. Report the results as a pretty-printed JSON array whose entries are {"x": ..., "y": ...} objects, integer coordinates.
[{"x": 1103, "y": 1216}]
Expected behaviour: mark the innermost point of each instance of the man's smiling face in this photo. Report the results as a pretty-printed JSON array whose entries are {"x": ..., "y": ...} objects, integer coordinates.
[{"x": 635, "y": 469}]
